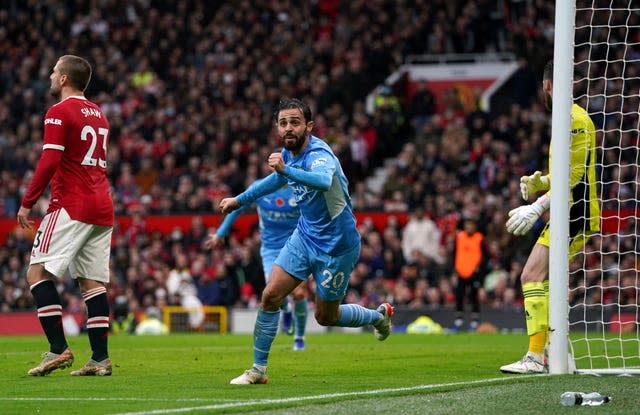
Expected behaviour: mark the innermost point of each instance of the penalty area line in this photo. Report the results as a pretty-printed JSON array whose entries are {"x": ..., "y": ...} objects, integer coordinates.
[{"x": 309, "y": 398}]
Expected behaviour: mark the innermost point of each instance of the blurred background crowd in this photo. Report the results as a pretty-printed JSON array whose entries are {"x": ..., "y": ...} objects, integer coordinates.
[{"x": 189, "y": 88}]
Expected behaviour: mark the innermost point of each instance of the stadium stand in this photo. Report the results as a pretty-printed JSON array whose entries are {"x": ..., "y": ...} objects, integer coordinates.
[{"x": 189, "y": 87}]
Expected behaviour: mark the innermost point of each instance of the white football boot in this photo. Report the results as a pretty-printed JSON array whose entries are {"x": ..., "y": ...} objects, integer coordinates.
[
  {"x": 250, "y": 377},
  {"x": 529, "y": 364}
]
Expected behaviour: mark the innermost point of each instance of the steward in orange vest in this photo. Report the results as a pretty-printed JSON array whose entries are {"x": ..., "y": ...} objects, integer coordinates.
[
  {"x": 469, "y": 264},
  {"x": 468, "y": 254}
]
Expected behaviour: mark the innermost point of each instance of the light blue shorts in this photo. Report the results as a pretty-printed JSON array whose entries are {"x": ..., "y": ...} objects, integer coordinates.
[
  {"x": 268, "y": 255},
  {"x": 331, "y": 273}
]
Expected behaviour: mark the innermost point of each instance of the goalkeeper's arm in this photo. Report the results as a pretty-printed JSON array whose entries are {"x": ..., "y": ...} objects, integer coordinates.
[
  {"x": 522, "y": 219},
  {"x": 530, "y": 185}
]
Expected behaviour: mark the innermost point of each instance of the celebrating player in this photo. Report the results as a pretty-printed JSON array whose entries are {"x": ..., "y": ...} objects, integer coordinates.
[
  {"x": 325, "y": 242},
  {"x": 76, "y": 231},
  {"x": 584, "y": 221},
  {"x": 278, "y": 216}
]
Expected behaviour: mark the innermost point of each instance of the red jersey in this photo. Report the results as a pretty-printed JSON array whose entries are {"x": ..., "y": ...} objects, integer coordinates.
[{"x": 74, "y": 160}]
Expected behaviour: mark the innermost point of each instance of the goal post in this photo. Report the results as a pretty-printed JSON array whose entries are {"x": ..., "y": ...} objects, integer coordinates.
[
  {"x": 559, "y": 213},
  {"x": 594, "y": 313}
]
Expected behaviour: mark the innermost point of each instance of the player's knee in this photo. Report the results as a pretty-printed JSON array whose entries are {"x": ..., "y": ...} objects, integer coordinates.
[
  {"x": 326, "y": 319},
  {"x": 529, "y": 275},
  {"x": 271, "y": 300},
  {"x": 298, "y": 294},
  {"x": 87, "y": 284},
  {"x": 36, "y": 273}
]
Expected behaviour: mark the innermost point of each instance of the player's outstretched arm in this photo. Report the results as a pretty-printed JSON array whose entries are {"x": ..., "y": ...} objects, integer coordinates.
[
  {"x": 213, "y": 241},
  {"x": 217, "y": 239},
  {"x": 260, "y": 188},
  {"x": 229, "y": 204}
]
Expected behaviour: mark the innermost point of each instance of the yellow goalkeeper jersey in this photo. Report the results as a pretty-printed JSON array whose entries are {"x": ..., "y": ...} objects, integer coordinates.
[{"x": 583, "y": 195}]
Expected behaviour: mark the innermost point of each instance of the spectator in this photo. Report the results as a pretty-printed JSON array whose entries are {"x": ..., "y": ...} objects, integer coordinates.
[
  {"x": 213, "y": 104},
  {"x": 147, "y": 176},
  {"x": 389, "y": 121},
  {"x": 421, "y": 236},
  {"x": 423, "y": 106}
]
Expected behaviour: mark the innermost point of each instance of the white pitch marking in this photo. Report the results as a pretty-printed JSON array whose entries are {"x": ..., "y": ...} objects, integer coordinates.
[
  {"x": 325, "y": 396},
  {"x": 29, "y": 399}
]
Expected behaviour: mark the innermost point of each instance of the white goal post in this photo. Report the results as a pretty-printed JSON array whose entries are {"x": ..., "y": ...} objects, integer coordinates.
[{"x": 594, "y": 312}]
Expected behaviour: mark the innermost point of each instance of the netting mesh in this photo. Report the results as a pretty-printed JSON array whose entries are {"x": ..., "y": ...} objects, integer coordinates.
[{"x": 603, "y": 293}]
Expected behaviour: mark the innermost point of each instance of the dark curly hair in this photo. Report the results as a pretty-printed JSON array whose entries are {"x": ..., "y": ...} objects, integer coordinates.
[{"x": 293, "y": 103}]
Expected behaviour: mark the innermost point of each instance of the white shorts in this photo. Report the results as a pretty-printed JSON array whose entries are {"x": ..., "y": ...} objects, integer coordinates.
[{"x": 62, "y": 243}]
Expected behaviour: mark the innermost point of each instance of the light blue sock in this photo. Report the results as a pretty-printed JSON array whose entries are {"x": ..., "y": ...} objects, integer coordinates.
[
  {"x": 354, "y": 315},
  {"x": 264, "y": 332},
  {"x": 300, "y": 317}
]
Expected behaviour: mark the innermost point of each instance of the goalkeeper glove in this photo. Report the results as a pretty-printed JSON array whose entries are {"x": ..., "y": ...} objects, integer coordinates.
[
  {"x": 522, "y": 219},
  {"x": 530, "y": 185}
]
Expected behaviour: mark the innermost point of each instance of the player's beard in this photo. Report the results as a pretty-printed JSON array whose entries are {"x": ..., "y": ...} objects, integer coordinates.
[
  {"x": 55, "y": 90},
  {"x": 298, "y": 142}
]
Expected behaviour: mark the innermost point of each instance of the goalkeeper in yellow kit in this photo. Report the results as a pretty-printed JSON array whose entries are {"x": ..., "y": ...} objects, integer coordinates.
[{"x": 584, "y": 220}]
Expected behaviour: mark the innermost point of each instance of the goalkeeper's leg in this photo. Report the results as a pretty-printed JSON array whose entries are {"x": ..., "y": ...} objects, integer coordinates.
[{"x": 536, "y": 306}]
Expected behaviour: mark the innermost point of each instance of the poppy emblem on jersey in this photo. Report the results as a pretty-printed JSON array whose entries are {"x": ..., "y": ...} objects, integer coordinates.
[{"x": 279, "y": 202}]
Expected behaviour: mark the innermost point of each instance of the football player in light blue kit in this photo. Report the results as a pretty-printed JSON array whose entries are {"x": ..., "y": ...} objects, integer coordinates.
[
  {"x": 325, "y": 243},
  {"x": 278, "y": 216}
]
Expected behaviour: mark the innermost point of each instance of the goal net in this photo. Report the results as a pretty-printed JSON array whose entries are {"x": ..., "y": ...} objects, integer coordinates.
[
  {"x": 207, "y": 319},
  {"x": 603, "y": 279}
]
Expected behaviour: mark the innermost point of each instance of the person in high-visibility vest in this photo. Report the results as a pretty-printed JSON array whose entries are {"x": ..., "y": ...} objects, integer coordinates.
[{"x": 470, "y": 257}]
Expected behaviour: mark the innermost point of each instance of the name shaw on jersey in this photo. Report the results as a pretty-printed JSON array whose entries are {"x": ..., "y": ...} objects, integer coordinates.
[{"x": 91, "y": 112}]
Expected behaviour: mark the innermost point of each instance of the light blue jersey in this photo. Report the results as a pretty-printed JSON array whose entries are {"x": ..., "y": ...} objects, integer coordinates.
[
  {"x": 277, "y": 217},
  {"x": 325, "y": 243},
  {"x": 321, "y": 193}
]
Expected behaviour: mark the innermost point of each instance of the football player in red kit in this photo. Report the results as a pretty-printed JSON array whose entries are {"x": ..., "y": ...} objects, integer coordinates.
[{"x": 75, "y": 233}]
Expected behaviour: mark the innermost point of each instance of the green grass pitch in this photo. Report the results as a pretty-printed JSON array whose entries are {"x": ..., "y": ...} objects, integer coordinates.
[{"x": 339, "y": 373}]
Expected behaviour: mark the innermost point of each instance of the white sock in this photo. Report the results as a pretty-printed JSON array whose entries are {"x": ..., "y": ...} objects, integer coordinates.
[{"x": 260, "y": 368}]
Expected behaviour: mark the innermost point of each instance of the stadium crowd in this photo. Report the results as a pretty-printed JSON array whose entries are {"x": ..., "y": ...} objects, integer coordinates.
[{"x": 189, "y": 88}]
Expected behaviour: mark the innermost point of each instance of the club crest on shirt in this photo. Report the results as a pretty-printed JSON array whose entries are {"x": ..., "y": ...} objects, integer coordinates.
[{"x": 319, "y": 162}]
